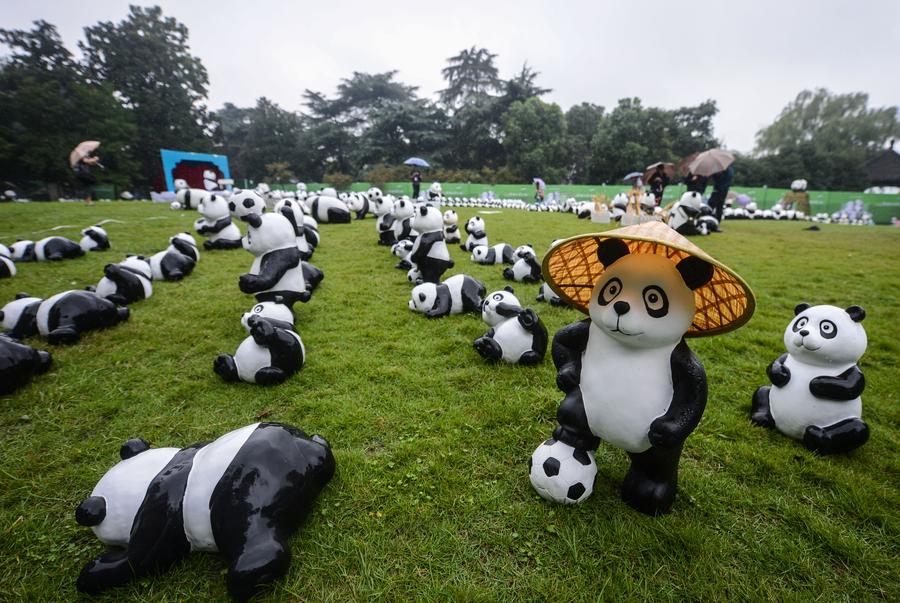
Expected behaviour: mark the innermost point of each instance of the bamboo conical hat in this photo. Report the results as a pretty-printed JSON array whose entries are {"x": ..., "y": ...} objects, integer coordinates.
[{"x": 572, "y": 268}]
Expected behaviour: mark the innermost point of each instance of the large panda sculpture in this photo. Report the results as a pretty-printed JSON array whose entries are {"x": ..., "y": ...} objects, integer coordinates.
[
  {"x": 516, "y": 335},
  {"x": 126, "y": 282},
  {"x": 501, "y": 253},
  {"x": 458, "y": 294},
  {"x": 63, "y": 317},
  {"x": 18, "y": 363},
  {"x": 177, "y": 260},
  {"x": 19, "y": 317},
  {"x": 241, "y": 495},
  {"x": 215, "y": 223},
  {"x": 816, "y": 385},
  {"x": 94, "y": 238},
  {"x": 429, "y": 253},
  {"x": 57, "y": 248},
  {"x": 451, "y": 227},
  {"x": 383, "y": 208},
  {"x": 276, "y": 269},
  {"x": 7, "y": 265},
  {"x": 329, "y": 209},
  {"x": 271, "y": 353},
  {"x": 477, "y": 236},
  {"x": 527, "y": 268}
]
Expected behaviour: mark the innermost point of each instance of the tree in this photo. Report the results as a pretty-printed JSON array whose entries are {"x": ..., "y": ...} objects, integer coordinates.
[
  {"x": 535, "y": 139},
  {"x": 582, "y": 122},
  {"x": 471, "y": 76},
  {"x": 522, "y": 86},
  {"x": 147, "y": 61}
]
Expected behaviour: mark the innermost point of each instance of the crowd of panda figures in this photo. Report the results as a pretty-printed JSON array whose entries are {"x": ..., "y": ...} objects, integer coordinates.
[{"x": 245, "y": 493}]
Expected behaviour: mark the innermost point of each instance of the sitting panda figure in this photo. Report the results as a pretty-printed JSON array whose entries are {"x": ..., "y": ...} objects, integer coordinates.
[
  {"x": 63, "y": 317},
  {"x": 22, "y": 251},
  {"x": 402, "y": 249},
  {"x": 546, "y": 294},
  {"x": 383, "y": 208},
  {"x": 276, "y": 269},
  {"x": 7, "y": 266},
  {"x": 57, "y": 248},
  {"x": 293, "y": 211},
  {"x": 19, "y": 317},
  {"x": 177, "y": 260},
  {"x": 18, "y": 362},
  {"x": 501, "y": 253},
  {"x": 527, "y": 269},
  {"x": 684, "y": 215},
  {"x": 477, "y": 236},
  {"x": 516, "y": 335},
  {"x": 216, "y": 224},
  {"x": 435, "y": 193},
  {"x": 358, "y": 204},
  {"x": 126, "y": 282},
  {"x": 816, "y": 385},
  {"x": 451, "y": 227},
  {"x": 374, "y": 193},
  {"x": 312, "y": 275},
  {"x": 94, "y": 238},
  {"x": 245, "y": 203},
  {"x": 241, "y": 495},
  {"x": 190, "y": 198},
  {"x": 329, "y": 209},
  {"x": 458, "y": 294},
  {"x": 403, "y": 218},
  {"x": 271, "y": 353},
  {"x": 429, "y": 253}
]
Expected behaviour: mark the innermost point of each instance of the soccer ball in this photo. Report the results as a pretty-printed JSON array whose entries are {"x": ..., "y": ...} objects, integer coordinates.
[
  {"x": 562, "y": 474},
  {"x": 245, "y": 203}
]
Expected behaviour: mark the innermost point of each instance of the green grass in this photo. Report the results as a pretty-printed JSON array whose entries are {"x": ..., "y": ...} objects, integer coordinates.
[{"x": 431, "y": 500}]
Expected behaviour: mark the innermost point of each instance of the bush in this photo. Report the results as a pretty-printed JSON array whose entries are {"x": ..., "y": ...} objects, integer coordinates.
[{"x": 339, "y": 180}]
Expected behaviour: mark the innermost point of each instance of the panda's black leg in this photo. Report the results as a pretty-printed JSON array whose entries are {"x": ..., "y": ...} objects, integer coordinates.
[
  {"x": 508, "y": 274},
  {"x": 652, "y": 480},
  {"x": 44, "y": 360},
  {"x": 336, "y": 216},
  {"x": 760, "y": 413},
  {"x": 488, "y": 348},
  {"x": 207, "y": 245},
  {"x": 403, "y": 265},
  {"x": 262, "y": 561},
  {"x": 530, "y": 358},
  {"x": 63, "y": 335},
  {"x": 573, "y": 428},
  {"x": 113, "y": 569},
  {"x": 270, "y": 375},
  {"x": 844, "y": 436},
  {"x": 225, "y": 367}
]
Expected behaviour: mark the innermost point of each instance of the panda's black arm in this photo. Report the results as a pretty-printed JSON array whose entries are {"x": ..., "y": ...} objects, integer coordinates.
[
  {"x": 452, "y": 228},
  {"x": 478, "y": 234},
  {"x": 568, "y": 345},
  {"x": 273, "y": 266},
  {"x": 532, "y": 324},
  {"x": 219, "y": 225},
  {"x": 534, "y": 265},
  {"x": 387, "y": 222},
  {"x": 688, "y": 400},
  {"x": 779, "y": 374},
  {"x": 183, "y": 247},
  {"x": 200, "y": 226},
  {"x": 508, "y": 310},
  {"x": 441, "y": 306},
  {"x": 422, "y": 246},
  {"x": 288, "y": 213},
  {"x": 846, "y": 386},
  {"x": 106, "y": 571}
]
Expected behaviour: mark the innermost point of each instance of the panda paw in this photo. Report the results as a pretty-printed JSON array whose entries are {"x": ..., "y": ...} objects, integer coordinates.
[
  {"x": 561, "y": 473},
  {"x": 665, "y": 433}
]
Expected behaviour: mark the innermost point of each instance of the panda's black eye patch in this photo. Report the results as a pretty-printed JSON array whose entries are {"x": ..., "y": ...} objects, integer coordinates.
[
  {"x": 828, "y": 329},
  {"x": 248, "y": 203},
  {"x": 498, "y": 297},
  {"x": 801, "y": 322},
  {"x": 610, "y": 291},
  {"x": 656, "y": 302}
]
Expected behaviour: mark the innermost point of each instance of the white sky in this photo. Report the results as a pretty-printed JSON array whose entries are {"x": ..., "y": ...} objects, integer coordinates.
[{"x": 752, "y": 56}]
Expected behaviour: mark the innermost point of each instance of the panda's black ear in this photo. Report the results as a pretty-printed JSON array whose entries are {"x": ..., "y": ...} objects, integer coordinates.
[
  {"x": 509, "y": 289},
  {"x": 694, "y": 271},
  {"x": 253, "y": 220},
  {"x": 91, "y": 511},
  {"x": 800, "y": 308},
  {"x": 610, "y": 250},
  {"x": 133, "y": 447},
  {"x": 856, "y": 313},
  {"x": 22, "y": 295},
  {"x": 186, "y": 232}
]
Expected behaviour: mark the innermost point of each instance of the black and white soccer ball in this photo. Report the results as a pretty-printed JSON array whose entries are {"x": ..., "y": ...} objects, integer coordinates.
[
  {"x": 245, "y": 203},
  {"x": 562, "y": 474}
]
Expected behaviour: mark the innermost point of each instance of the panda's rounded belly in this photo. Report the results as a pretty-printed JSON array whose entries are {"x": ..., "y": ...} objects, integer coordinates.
[
  {"x": 229, "y": 233},
  {"x": 794, "y": 408},
  {"x": 249, "y": 358},
  {"x": 105, "y": 287},
  {"x": 513, "y": 339}
]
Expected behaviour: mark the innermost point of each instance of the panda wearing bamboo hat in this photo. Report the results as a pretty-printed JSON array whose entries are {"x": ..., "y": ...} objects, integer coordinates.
[{"x": 628, "y": 376}]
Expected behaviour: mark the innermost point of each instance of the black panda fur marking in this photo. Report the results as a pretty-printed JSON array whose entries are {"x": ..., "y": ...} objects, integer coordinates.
[
  {"x": 18, "y": 363},
  {"x": 185, "y": 249},
  {"x": 218, "y": 226},
  {"x": 28, "y": 254},
  {"x": 26, "y": 326},
  {"x": 442, "y": 302},
  {"x": 61, "y": 248},
  {"x": 472, "y": 294},
  {"x": 312, "y": 276},
  {"x": 274, "y": 265},
  {"x": 846, "y": 386},
  {"x": 222, "y": 244},
  {"x": 431, "y": 268},
  {"x": 508, "y": 257},
  {"x": 83, "y": 311},
  {"x": 405, "y": 230},
  {"x": 101, "y": 241},
  {"x": 386, "y": 234},
  {"x": 6, "y": 267},
  {"x": 129, "y": 286},
  {"x": 132, "y": 447},
  {"x": 363, "y": 210},
  {"x": 490, "y": 256},
  {"x": 532, "y": 324},
  {"x": 285, "y": 350},
  {"x": 176, "y": 266},
  {"x": 610, "y": 250},
  {"x": 694, "y": 271}
]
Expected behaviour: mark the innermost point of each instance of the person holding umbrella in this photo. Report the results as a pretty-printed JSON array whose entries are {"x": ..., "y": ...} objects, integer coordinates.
[
  {"x": 540, "y": 188},
  {"x": 416, "y": 176},
  {"x": 658, "y": 177},
  {"x": 81, "y": 161},
  {"x": 714, "y": 163}
]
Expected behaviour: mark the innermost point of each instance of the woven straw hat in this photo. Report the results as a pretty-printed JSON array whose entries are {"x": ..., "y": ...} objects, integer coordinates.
[{"x": 572, "y": 268}]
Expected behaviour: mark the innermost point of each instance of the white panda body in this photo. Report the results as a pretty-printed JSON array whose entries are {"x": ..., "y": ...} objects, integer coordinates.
[
  {"x": 7, "y": 267},
  {"x": 250, "y": 357},
  {"x": 513, "y": 339},
  {"x": 794, "y": 407},
  {"x": 291, "y": 280}
]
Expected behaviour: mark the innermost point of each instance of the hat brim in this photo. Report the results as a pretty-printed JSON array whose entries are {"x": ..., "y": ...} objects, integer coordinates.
[{"x": 572, "y": 268}]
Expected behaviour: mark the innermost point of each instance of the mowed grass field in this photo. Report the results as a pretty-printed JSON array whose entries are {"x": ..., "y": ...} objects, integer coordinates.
[{"x": 431, "y": 500}]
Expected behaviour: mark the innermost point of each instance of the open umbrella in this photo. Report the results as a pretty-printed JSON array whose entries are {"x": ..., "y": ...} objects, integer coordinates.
[
  {"x": 81, "y": 151},
  {"x": 685, "y": 162},
  {"x": 539, "y": 182},
  {"x": 711, "y": 162},
  {"x": 633, "y": 176},
  {"x": 668, "y": 169},
  {"x": 416, "y": 161}
]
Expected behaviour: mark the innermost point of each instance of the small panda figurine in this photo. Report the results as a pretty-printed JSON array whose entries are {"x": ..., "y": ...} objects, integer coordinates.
[
  {"x": 477, "y": 236},
  {"x": 546, "y": 294},
  {"x": 94, "y": 238},
  {"x": 451, "y": 227},
  {"x": 272, "y": 352},
  {"x": 241, "y": 495},
  {"x": 18, "y": 362},
  {"x": 501, "y": 253},
  {"x": 402, "y": 249},
  {"x": 293, "y": 211},
  {"x": 685, "y": 214},
  {"x": 383, "y": 209},
  {"x": 216, "y": 224},
  {"x": 246, "y": 203},
  {"x": 816, "y": 385},
  {"x": 403, "y": 217},
  {"x": 707, "y": 221},
  {"x": 458, "y": 294},
  {"x": 358, "y": 203},
  {"x": 435, "y": 192},
  {"x": 516, "y": 335},
  {"x": 329, "y": 209},
  {"x": 126, "y": 282},
  {"x": 189, "y": 198},
  {"x": 19, "y": 317},
  {"x": 22, "y": 251},
  {"x": 7, "y": 266},
  {"x": 527, "y": 269},
  {"x": 276, "y": 269},
  {"x": 429, "y": 253},
  {"x": 57, "y": 248},
  {"x": 63, "y": 317},
  {"x": 177, "y": 260}
]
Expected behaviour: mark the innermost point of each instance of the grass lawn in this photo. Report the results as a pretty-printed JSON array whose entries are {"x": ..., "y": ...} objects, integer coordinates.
[{"x": 431, "y": 500}]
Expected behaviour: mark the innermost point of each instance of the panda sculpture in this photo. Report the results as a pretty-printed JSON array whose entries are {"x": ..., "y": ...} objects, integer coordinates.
[
  {"x": 63, "y": 317},
  {"x": 189, "y": 198},
  {"x": 293, "y": 211},
  {"x": 329, "y": 209},
  {"x": 126, "y": 282},
  {"x": 18, "y": 363},
  {"x": 177, "y": 260},
  {"x": 383, "y": 209},
  {"x": 402, "y": 249},
  {"x": 477, "y": 236},
  {"x": 684, "y": 216},
  {"x": 816, "y": 385},
  {"x": 276, "y": 269},
  {"x": 527, "y": 269},
  {"x": 358, "y": 204},
  {"x": 707, "y": 222},
  {"x": 246, "y": 203},
  {"x": 501, "y": 253},
  {"x": 271, "y": 353},
  {"x": 429, "y": 253},
  {"x": 22, "y": 251},
  {"x": 216, "y": 224},
  {"x": 546, "y": 294},
  {"x": 94, "y": 238},
  {"x": 7, "y": 266},
  {"x": 516, "y": 335},
  {"x": 458, "y": 294},
  {"x": 403, "y": 218},
  {"x": 241, "y": 495},
  {"x": 451, "y": 227},
  {"x": 19, "y": 317},
  {"x": 57, "y": 248}
]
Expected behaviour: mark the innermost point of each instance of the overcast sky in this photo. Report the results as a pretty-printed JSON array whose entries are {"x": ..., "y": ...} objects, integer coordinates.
[{"x": 752, "y": 57}]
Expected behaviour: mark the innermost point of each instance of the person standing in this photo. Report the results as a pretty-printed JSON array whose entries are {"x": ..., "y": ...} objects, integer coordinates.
[
  {"x": 658, "y": 182},
  {"x": 721, "y": 183},
  {"x": 416, "y": 183},
  {"x": 84, "y": 179},
  {"x": 695, "y": 183}
]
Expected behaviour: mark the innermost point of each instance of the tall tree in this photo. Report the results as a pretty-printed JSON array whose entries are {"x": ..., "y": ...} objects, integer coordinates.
[
  {"x": 535, "y": 134},
  {"x": 523, "y": 85},
  {"x": 471, "y": 76},
  {"x": 147, "y": 61},
  {"x": 582, "y": 123}
]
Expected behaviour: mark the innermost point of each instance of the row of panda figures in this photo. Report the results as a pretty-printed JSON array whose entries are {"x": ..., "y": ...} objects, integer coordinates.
[{"x": 243, "y": 494}]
